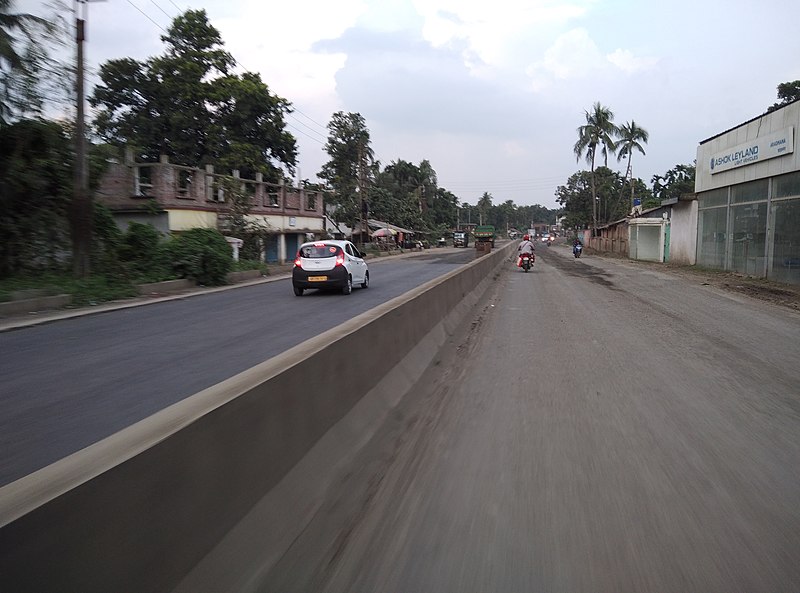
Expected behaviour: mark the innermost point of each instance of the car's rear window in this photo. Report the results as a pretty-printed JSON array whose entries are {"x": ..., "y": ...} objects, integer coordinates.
[{"x": 319, "y": 250}]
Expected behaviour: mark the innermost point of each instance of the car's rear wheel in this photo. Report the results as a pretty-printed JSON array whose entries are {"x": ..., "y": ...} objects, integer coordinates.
[
  {"x": 298, "y": 291},
  {"x": 365, "y": 284},
  {"x": 348, "y": 287}
]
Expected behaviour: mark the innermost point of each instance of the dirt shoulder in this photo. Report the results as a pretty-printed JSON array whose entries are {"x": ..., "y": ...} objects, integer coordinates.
[{"x": 784, "y": 295}]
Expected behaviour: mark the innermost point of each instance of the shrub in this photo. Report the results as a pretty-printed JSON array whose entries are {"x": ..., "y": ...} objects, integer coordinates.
[
  {"x": 145, "y": 254},
  {"x": 202, "y": 255}
]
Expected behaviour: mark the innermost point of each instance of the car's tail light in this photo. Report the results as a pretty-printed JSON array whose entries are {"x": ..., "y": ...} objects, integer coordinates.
[
  {"x": 298, "y": 261},
  {"x": 340, "y": 259}
]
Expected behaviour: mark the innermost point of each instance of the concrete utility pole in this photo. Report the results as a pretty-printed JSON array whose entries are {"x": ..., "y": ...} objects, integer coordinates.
[
  {"x": 81, "y": 203},
  {"x": 81, "y": 207}
]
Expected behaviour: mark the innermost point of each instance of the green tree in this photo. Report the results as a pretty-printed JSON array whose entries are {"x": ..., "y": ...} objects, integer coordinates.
[
  {"x": 598, "y": 131},
  {"x": 675, "y": 183},
  {"x": 787, "y": 93},
  {"x": 351, "y": 169},
  {"x": 484, "y": 207},
  {"x": 188, "y": 105},
  {"x": 25, "y": 62},
  {"x": 35, "y": 192},
  {"x": 631, "y": 137}
]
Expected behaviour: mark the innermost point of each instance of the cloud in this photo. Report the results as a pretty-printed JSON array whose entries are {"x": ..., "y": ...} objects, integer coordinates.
[
  {"x": 630, "y": 64},
  {"x": 575, "y": 55}
]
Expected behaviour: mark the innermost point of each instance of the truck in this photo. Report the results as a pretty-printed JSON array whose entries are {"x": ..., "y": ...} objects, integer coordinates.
[
  {"x": 460, "y": 239},
  {"x": 484, "y": 234}
]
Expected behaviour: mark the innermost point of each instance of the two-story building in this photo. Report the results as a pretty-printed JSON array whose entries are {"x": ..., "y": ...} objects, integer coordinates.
[{"x": 174, "y": 198}]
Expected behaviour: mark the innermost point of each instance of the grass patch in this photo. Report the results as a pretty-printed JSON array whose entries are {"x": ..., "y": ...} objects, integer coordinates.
[{"x": 94, "y": 289}]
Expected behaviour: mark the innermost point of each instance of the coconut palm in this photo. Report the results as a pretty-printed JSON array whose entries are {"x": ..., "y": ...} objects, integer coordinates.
[
  {"x": 631, "y": 137},
  {"x": 599, "y": 130},
  {"x": 11, "y": 61}
]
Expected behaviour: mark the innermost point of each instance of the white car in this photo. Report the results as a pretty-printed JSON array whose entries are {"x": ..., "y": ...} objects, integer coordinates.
[{"x": 329, "y": 265}]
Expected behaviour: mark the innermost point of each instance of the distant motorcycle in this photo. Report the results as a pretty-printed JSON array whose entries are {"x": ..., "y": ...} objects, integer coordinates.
[
  {"x": 526, "y": 261},
  {"x": 576, "y": 250}
]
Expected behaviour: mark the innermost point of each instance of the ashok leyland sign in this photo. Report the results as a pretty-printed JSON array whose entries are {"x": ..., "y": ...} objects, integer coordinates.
[{"x": 754, "y": 151}]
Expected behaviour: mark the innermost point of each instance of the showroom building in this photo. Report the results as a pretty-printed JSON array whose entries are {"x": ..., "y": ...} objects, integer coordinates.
[{"x": 748, "y": 197}]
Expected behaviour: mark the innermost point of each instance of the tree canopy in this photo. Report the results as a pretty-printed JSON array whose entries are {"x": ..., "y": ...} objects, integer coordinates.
[
  {"x": 787, "y": 92},
  {"x": 24, "y": 62},
  {"x": 190, "y": 106}
]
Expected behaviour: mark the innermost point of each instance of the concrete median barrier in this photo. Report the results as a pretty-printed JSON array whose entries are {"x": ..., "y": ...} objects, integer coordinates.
[{"x": 140, "y": 510}]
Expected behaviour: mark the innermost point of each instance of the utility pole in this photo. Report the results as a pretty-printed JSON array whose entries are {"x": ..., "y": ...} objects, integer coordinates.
[
  {"x": 81, "y": 210},
  {"x": 81, "y": 207}
]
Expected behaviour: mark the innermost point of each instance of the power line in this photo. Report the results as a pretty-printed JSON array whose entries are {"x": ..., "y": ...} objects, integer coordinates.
[
  {"x": 169, "y": 16},
  {"x": 147, "y": 16}
]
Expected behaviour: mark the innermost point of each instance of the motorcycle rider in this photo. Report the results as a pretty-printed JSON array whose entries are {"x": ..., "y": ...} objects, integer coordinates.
[
  {"x": 525, "y": 247},
  {"x": 575, "y": 244}
]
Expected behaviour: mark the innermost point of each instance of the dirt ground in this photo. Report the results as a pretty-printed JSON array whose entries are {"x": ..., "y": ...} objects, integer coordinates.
[{"x": 785, "y": 295}]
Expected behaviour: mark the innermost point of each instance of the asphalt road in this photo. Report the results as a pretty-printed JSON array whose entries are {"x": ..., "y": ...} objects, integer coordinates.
[
  {"x": 597, "y": 428},
  {"x": 67, "y": 384}
]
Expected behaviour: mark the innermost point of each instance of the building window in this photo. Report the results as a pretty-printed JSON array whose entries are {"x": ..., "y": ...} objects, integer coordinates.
[
  {"x": 272, "y": 200},
  {"x": 749, "y": 238},
  {"x": 785, "y": 261},
  {"x": 753, "y": 191},
  {"x": 716, "y": 197},
  {"x": 250, "y": 192},
  {"x": 144, "y": 181},
  {"x": 311, "y": 201},
  {"x": 184, "y": 181},
  {"x": 786, "y": 186},
  {"x": 711, "y": 234}
]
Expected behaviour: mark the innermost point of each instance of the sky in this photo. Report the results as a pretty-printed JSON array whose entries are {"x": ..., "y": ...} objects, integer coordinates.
[{"x": 490, "y": 92}]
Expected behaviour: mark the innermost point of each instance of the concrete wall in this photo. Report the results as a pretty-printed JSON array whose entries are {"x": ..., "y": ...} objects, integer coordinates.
[
  {"x": 138, "y": 510},
  {"x": 683, "y": 233}
]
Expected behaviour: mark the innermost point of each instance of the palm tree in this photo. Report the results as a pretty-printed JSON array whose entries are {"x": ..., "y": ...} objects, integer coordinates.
[
  {"x": 11, "y": 62},
  {"x": 631, "y": 137},
  {"x": 598, "y": 130}
]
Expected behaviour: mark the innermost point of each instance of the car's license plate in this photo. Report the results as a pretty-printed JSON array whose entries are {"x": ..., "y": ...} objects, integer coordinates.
[{"x": 317, "y": 278}]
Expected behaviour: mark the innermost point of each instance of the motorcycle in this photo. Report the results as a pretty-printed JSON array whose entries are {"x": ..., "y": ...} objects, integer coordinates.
[
  {"x": 576, "y": 250},
  {"x": 526, "y": 261}
]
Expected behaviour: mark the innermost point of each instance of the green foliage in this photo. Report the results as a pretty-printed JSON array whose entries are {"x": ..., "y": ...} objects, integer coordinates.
[
  {"x": 674, "y": 183},
  {"x": 240, "y": 225},
  {"x": 35, "y": 192},
  {"x": 188, "y": 105},
  {"x": 352, "y": 165},
  {"x": 202, "y": 255},
  {"x": 612, "y": 191},
  {"x": 787, "y": 93},
  {"x": 27, "y": 70},
  {"x": 106, "y": 241},
  {"x": 144, "y": 254}
]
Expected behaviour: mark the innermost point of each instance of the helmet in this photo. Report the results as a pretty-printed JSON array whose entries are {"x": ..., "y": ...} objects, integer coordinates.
[{"x": 526, "y": 238}]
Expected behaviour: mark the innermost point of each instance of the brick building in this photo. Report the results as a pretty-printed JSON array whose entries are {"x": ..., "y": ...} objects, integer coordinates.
[{"x": 174, "y": 198}]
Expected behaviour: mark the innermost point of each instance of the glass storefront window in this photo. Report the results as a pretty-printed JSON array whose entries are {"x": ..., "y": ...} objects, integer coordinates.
[
  {"x": 752, "y": 191},
  {"x": 785, "y": 264},
  {"x": 711, "y": 233},
  {"x": 749, "y": 239},
  {"x": 715, "y": 197},
  {"x": 786, "y": 185}
]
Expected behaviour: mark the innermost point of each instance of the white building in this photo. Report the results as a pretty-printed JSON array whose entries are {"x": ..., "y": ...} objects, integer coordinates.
[{"x": 748, "y": 197}]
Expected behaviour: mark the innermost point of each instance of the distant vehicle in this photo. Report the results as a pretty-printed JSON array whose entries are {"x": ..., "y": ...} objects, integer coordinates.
[
  {"x": 460, "y": 239},
  {"x": 484, "y": 234},
  {"x": 329, "y": 265}
]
